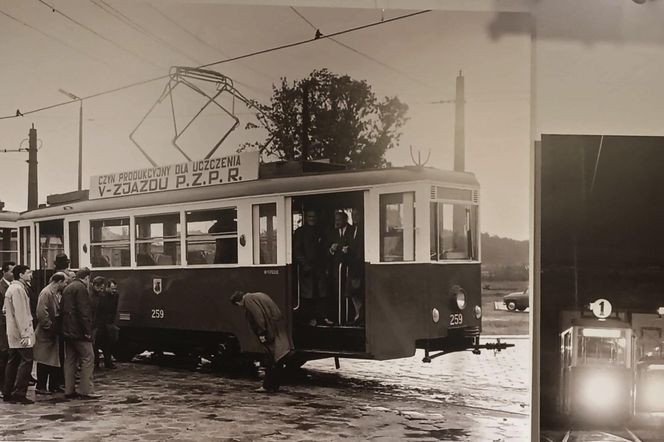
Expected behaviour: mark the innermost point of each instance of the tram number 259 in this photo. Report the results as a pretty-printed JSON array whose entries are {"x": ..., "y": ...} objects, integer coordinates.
[
  {"x": 456, "y": 319},
  {"x": 157, "y": 313}
]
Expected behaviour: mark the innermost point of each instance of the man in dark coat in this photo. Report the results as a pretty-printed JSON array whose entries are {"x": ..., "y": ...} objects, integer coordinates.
[
  {"x": 355, "y": 260},
  {"x": 105, "y": 323},
  {"x": 7, "y": 278},
  {"x": 340, "y": 240},
  {"x": 77, "y": 322},
  {"x": 309, "y": 254},
  {"x": 268, "y": 324}
]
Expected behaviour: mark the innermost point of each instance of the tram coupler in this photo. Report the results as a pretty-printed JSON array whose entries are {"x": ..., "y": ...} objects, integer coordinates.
[{"x": 495, "y": 346}]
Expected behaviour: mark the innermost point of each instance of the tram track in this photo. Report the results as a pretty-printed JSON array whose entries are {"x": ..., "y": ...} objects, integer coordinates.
[{"x": 621, "y": 435}]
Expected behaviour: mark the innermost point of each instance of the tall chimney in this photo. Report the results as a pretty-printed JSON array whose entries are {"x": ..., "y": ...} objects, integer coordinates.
[
  {"x": 33, "y": 188},
  {"x": 459, "y": 126}
]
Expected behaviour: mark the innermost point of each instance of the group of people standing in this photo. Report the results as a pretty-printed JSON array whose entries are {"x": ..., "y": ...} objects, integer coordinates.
[
  {"x": 61, "y": 330},
  {"x": 329, "y": 261}
]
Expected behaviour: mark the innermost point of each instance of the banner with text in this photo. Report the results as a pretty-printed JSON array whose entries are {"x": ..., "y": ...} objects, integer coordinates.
[{"x": 213, "y": 171}]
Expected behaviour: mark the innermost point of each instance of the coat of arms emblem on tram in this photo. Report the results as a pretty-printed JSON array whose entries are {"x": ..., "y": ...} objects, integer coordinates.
[{"x": 156, "y": 285}]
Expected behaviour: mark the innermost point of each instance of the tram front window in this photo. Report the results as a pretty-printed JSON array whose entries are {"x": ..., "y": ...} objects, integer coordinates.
[
  {"x": 453, "y": 231},
  {"x": 602, "y": 350}
]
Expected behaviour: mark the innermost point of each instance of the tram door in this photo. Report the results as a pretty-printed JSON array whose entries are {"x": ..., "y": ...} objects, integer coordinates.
[
  {"x": 51, "y": 242},
  {"x": 325, "y": 316}
]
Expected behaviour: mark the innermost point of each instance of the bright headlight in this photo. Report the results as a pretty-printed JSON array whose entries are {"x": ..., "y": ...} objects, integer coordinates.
[
  {"x": 478, "y": 312},
  {"x": 653, "y": 393},
  {"x": 461, "y": 300},
  {"x": 600, "y": 392}
]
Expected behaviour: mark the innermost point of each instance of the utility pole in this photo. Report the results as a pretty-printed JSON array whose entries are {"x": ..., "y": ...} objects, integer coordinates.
[
  {"x": 33, "y": 186},
  {"x": 459, "y": 212},
  {"x": 80, "y": 136}
]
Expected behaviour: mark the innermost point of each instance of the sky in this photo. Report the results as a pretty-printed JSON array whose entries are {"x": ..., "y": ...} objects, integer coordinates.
[{"x": 115, "y": 43}]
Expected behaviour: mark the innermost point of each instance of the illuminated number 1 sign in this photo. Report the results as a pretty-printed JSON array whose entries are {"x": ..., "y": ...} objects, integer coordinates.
[{"x": 601, "y": 308}]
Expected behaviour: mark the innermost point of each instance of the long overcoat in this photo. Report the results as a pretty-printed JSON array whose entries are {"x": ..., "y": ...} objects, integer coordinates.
[
  {"x": 265, "y": 319},
  {"x": 4, "y": 345},
  {"x": 310, "y": 254},
  {"x": 47, "y": 335},
  {"x": 19, "y": 318}
]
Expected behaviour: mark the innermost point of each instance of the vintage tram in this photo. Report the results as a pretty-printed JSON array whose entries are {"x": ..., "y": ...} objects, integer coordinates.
[
  {"x": 597, "y": 371},
  {"x": 180, "y": 249}
]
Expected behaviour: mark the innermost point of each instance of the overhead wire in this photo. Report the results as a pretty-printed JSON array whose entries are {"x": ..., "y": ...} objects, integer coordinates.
[
  {"x": 101, "y": 36},
  {"x": 363, "y": 54},
  {"x": 196, "y": 37},
  {"x": 119, "y": 15},
  {"x": 228, "y": 60},
  {"x": 53, "y": 37}
]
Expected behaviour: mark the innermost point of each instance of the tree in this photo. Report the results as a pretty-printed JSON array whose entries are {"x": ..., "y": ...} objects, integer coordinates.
[{"x": 327, "y": 116}]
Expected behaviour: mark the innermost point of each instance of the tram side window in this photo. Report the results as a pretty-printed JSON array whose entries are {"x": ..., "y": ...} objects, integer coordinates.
[
  {"x": 265, "y": 233},
  {"x": 453, "y": 231},
  {"x": 212, "y": 236},
  {"x": 397, "y": 227},
  {"x": 158, "y": 240},
  {"x": 109, "y": 242},
  {"x": 8, "y": 245},
  {"x": 51, "y": 242}
]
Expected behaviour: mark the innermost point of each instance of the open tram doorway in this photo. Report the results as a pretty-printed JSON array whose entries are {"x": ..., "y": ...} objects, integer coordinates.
[{"x": 328, "y": 272}]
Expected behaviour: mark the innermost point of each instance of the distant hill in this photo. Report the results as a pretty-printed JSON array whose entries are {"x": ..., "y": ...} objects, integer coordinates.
[{"x": 498, "y": 251}]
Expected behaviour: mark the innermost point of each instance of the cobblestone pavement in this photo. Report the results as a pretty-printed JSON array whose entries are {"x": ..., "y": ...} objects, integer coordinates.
[{"x": 457, "y": 397}]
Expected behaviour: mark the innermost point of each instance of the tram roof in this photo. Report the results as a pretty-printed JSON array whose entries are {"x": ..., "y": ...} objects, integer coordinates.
[
  {"x": 8, "y": 216},
  {"x": 307, "y": 182}
]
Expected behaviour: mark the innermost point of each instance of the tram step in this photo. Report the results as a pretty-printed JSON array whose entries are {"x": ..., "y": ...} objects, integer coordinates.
[{"x": 342, "y": 339}]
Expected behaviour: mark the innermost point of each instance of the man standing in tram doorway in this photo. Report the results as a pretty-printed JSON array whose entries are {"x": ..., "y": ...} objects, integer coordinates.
[
  {"x": 268, "y": 324},
  {"x": 340, "y": 251},
  {"x": 309, "y": 253}
]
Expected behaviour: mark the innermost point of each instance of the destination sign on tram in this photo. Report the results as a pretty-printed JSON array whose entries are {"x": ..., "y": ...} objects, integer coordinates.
[{"x": 209, "y": 172}]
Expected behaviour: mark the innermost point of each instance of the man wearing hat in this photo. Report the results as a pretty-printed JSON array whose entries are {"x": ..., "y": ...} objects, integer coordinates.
[{"x": 267, "y": 323}]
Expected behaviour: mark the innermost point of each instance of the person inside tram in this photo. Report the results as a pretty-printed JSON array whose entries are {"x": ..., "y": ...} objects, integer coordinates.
[
  {"x": 339, "y": 249},
  {"x": 355, "y": 259},
  {"x": 225, "y": 248},
  {"x": 309, "y": 253}
]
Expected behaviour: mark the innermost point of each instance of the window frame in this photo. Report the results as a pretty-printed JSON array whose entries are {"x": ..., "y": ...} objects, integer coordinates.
[
  {"x": 177, "y": 238},
  {"x": 129, "y": 241}
]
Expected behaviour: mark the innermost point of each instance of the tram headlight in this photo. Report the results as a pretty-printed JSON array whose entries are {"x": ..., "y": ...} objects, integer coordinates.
[
  {"x": 461, "y": 300},
  {"x": 478, "y": 312},
  {"x": 435, "y": 315},
  {"x": 601, "y": 392}
]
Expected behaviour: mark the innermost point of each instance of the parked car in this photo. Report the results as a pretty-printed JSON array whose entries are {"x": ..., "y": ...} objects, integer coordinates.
[{"x": 517, "y": 301}]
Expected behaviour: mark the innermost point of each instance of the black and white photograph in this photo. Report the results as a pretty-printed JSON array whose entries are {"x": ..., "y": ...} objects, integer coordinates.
[
  {"x": 596, "y": 206},
  {"x": 280, "y": 221},
  {"x": 602, "y": 300}
]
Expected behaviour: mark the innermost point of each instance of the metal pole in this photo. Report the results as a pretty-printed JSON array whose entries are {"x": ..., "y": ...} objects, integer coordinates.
[
  {"x": 80, "y": 146},
  {"x": 33, "y": 187}
]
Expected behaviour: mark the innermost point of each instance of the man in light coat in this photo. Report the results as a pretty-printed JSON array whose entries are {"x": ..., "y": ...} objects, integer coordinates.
[
  {"x": 77, "y": 322},
  {"x": 267, "y": 323},
  {"x": 47, "y": 346},
  {"x": 7, "y": 278},
  {"x": 21, "y": 337}
]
